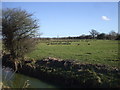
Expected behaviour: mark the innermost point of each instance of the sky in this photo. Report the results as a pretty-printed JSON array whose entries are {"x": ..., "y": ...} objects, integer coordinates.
[
  {"x": 60, "y": 0},
  {"x": 60, "y": 19}
]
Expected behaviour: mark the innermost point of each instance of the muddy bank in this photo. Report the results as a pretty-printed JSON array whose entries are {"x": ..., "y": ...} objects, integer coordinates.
[{"x": 69, "y": 73}]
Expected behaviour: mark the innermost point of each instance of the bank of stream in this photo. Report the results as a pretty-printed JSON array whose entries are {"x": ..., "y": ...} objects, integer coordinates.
[{"x": 69, "y": 73}]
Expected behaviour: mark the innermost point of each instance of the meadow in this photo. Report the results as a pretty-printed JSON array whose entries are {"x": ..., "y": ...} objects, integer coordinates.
[
  {"x": 90, "y": 69},
  {"x": 84, "y": 51}
]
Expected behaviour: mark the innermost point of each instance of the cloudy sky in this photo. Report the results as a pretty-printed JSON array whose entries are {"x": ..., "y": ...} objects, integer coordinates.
[{"x": 71, "y": 18}]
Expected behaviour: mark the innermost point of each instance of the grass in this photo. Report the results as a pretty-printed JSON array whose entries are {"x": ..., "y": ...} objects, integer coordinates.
[
  {"x": 84, "y": 51},
  {"x": 98, "y": 52}
]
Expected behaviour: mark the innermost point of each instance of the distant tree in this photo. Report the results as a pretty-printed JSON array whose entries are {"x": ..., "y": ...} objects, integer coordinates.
[
  {"x": 88, "y": 37},
  {"x": 18, "y": 31},
  {"x": 101, "y": 36},
  {"x": 113, "y": 35},
  {"x": 118, "y": 37},
  {"x": 94, "y": 33}
]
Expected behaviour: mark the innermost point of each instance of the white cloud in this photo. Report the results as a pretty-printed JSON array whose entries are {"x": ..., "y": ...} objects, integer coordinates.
[{"x": 105, "y": 18}]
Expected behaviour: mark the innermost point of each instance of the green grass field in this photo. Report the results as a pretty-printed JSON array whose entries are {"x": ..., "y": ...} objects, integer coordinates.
[{"x": 97, "y": 52}]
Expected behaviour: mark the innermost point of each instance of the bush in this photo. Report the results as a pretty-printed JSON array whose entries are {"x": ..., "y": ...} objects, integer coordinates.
[{"x": 18, "y": 31}]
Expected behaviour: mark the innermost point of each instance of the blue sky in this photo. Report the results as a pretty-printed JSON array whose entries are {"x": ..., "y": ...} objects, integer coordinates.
[{"x": 71, "y": 18}]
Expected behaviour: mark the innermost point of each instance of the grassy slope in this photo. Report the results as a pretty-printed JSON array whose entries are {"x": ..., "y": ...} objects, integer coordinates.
[{"x": 99, "y": 51}]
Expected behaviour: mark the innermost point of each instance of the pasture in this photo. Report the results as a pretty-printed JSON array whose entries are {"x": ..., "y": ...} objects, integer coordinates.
[{"x": 83, "y": 51}]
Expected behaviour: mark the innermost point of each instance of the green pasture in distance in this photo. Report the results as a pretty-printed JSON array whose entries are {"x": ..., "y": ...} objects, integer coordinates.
[{"x": 84, "y": 51}]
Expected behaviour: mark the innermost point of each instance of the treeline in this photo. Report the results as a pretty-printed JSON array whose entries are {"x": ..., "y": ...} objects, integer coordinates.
[
  {"x": 93, "y": 35},
  {"x": 96, "y": 35},
  {"x": 100, "y": 36}
]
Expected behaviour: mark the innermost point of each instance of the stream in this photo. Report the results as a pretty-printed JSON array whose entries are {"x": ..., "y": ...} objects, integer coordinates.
[{"x": 16, "y": 80}]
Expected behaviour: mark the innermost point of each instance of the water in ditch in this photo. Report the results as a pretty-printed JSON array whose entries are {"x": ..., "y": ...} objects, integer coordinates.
[{"x": 15, "y": 80}]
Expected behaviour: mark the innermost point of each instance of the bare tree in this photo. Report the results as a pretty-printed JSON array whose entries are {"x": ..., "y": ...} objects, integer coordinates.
[
  {"x": 94, "y": 33},
  {"x": 113, "y": 35},
  {"x": 18, "y": 31}
]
